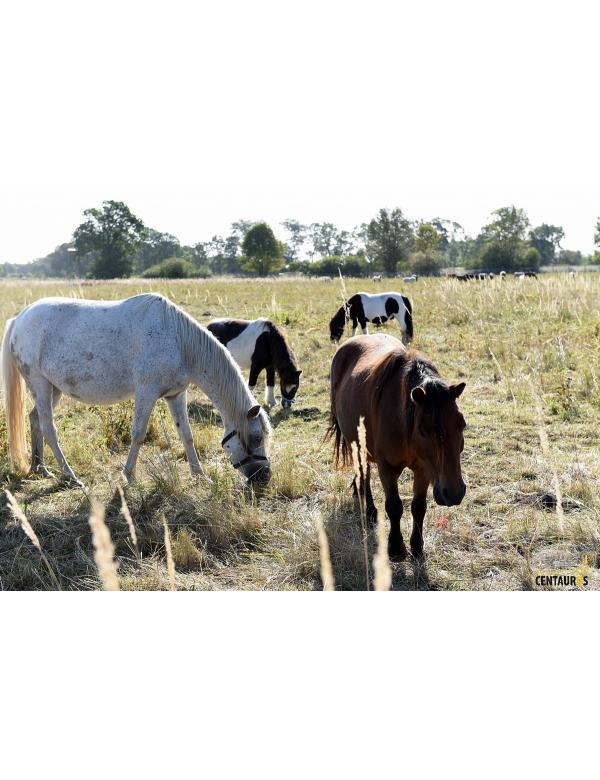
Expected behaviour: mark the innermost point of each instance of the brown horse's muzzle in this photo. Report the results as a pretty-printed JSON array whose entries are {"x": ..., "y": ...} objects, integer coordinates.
[{"x": 448, "y": 496}]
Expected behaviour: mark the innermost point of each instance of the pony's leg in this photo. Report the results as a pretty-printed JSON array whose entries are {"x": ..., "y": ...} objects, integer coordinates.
[
  {"x": 144, "y": 403},
  {"x": 394, "y": 509},
  {"x": 418, "y": 508},
  {"x": 270, "y": 394},
  {"x": 354, "y": 326},
  {"x": 44, "y": 401},
  {"x": 364, "y": 327},
  {"x": 402, "y": 331},
  {"x": 37, "y": 438},
  {"x": 178, "y": 408},
  {"x": 253, "y": 379}
]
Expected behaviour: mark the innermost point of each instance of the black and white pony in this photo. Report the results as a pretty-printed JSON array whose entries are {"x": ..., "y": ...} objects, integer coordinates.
[
  {"x": 364, "y": 307},
  {"x": 257, "y": 345}
]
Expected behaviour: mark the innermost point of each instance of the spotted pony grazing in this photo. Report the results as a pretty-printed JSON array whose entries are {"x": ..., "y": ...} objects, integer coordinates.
[
  {"x": 364, "y": 307},
  {"x": 257, "y": 345}
]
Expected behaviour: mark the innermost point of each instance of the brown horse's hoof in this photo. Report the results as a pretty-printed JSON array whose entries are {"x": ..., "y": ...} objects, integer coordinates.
[{"x": 397, "y": 552}]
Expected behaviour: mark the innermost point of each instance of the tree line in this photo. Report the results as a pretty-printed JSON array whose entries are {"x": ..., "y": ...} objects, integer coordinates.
[{"x": 112, "y": 242}]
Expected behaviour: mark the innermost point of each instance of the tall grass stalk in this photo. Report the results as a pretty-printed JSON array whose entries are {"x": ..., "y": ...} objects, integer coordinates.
[
  {"x": 359, "y": 462},
  {"x": 130, "y": 524},
  {"x": 104, "y": 550},
  {"x": 169, "y": 555},
  {"x": 326, "y": 568},
  {"x": 21, "y": 517}
]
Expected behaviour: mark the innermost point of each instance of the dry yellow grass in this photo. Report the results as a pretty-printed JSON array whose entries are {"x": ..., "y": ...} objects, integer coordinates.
[
  {"x": 104, "y": 551},
  {"x": 530, "y": 355}
]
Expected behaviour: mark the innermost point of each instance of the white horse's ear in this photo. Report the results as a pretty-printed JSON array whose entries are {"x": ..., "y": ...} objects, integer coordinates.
[
  {"x": 456, "y": 390},
  {"x": 418, "y": 395},
  {"x": 254, "y": 411}
]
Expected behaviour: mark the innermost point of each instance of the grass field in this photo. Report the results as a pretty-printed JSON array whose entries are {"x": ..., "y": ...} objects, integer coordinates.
[{"x": 529, "y": 352}]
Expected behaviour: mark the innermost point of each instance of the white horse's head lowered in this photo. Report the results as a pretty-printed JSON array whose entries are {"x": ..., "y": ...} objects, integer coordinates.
[{"x": 248, "y": 449}]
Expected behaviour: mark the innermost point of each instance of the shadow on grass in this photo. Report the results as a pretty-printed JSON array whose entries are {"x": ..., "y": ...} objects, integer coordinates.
[{"x": 347, "y": 551}]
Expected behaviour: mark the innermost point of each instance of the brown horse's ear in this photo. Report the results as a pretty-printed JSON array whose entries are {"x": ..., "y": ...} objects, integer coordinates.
[
  {"x": 418, "y": 395},
  {"x": 254, "y": 411},
  {"x": 456, "y": 390}
]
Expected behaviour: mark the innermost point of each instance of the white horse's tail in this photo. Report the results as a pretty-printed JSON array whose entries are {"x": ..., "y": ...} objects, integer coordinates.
[{"x": 14, "y": 404}]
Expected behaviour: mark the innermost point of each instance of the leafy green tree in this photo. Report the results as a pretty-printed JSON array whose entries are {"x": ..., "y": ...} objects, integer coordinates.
[
  {"x": 297, "y": 237},
  {"x": 546, "y": 239},
  {"x": 570, "y": 257},
  {"x": 529, "y": 260},
  {"x": 425, "y": 263},
  {"x": 503, "y": 239},
  {"x": 113, "y": 234},
  {"x": 324, "y": 236},
  {"x": 495, "y": 257},
  {"x": 508, "y": 227},
  {"x": 156, "y": 247},
  {"x": 454, "y": 244},
  {"x": 263, "y": 252},
  {"x": 390, "y": 239},
  {"x": 427, "y": 238}
]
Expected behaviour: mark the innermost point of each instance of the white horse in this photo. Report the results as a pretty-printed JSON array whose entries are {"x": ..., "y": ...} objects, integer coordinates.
[{"x": 102, "y": 352}]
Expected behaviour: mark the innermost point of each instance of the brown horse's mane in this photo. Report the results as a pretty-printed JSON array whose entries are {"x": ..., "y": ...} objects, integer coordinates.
[
  {"x": 415, "y": 371},
  {"x": 283, "y": 355}
]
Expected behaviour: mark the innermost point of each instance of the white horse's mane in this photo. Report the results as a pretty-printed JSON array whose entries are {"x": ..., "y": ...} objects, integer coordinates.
[{"x": 201, "y": 349}]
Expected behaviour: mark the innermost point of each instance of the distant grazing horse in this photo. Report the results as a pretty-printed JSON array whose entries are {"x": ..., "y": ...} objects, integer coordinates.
[
  {"x": 410, "y": 279},
  {"x": 376, "y": 277},
  {"x": 412, "y": 421},
  {"x": 363, "y": 307},
  {"x": 257, "y": 345},
  {"x": 102, "y": 352}
]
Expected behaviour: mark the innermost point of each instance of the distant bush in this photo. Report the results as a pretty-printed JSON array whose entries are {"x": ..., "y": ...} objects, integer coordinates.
[
  {"x": 529, "y": 260},
  {"x": 349, "y": 265},
  {"x": 494, "y": 257},
  {"x": 172, "y": 268},
  {"x": 425, "y": 263}
]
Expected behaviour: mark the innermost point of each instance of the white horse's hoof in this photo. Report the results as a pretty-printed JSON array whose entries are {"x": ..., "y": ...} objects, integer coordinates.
[{"x": 73, "y": 482}]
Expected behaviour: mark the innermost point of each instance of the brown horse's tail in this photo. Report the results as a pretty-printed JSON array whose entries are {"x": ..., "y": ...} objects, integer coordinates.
[{"x": 340, "y": 447}]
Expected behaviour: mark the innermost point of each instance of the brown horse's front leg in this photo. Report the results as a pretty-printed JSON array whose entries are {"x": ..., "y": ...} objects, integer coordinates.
[
  {"x": 394, "y": 509},
  {"x": 418, "y": 508}
]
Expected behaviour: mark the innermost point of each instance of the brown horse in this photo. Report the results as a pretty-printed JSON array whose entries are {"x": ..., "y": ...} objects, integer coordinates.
[{"x": 412, "y": 421}]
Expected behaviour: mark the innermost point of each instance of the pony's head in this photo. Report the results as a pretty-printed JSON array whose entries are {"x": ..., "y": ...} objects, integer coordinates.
[
  {"x": 337, "y": 324},
  {"x": 289, "y": 384},
  {"x": 248, "y": 450},
  {"x": 438, "y": 438}
]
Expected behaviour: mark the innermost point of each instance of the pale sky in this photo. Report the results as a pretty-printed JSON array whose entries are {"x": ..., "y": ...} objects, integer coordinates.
[{"x": 199, "y": 114}]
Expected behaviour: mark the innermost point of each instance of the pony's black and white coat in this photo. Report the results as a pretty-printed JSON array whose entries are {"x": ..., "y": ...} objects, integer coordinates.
[
  {"x": 257, "y": 345},
  {"x": 364, "y": 307}
]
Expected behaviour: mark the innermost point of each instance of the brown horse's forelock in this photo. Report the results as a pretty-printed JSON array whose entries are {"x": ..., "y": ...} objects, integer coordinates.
[{"x": 416, "y": 371}]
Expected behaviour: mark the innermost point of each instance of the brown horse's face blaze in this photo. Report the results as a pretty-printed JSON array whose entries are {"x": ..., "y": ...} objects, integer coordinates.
[{"x": 439, "y": 441}]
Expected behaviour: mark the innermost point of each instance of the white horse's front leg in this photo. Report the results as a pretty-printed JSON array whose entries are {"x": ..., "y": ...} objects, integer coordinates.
[
  {"x": 141, "y": 415},
  {"x": 178, "y": 408},
  {"x": 365, "y": 330}
]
